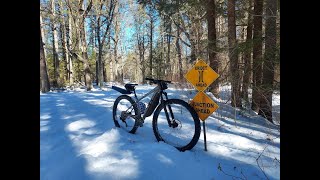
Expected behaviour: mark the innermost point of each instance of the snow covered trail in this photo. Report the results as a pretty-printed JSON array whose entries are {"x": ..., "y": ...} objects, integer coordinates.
[{"x": 78, "y": 140}]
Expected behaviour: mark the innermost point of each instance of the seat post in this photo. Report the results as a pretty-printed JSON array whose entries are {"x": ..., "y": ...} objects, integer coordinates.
[{"x": 134, "y": 90}]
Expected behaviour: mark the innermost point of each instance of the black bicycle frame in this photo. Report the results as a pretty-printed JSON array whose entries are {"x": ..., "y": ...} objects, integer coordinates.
[
  {"x": 165, "y": 108},
  {"x": 154, "y": 104}
]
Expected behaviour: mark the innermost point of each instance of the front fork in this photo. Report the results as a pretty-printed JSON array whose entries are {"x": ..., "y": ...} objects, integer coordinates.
[{"x": 171, "y": 122}]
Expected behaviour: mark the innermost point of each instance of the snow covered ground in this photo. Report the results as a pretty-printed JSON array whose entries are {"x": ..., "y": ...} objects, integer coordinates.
[{"x": 78, "y": 141}]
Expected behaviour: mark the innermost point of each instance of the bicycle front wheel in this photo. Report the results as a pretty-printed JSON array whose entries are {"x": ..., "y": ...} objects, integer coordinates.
[
  {"x": 125, "y": 112},
  {"x": 176, "y": 123}
]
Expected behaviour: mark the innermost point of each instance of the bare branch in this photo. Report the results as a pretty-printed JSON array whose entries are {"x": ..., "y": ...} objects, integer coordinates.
[
  {"x": 259, "y": 164},
  {"x": 110, "y": 17},
  {"x": 88, "y": 9},
  {"x": 70, "y": 8},
  {"x": 184, "y": 42},
  {"x": 219, "y": 167},
  {"x": 77, "y": 56},
  {"x": 112, "y": 38},
  {"x": 84, "y": 15}
]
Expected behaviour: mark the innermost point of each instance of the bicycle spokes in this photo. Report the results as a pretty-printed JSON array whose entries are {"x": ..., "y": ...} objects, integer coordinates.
[
  {"x": 179, "y": 130},
  {"x": 125, "y": 114}
]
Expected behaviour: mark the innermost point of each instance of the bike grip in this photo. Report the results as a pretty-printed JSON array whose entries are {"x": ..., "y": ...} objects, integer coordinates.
[{"x": 149, "y": 79}]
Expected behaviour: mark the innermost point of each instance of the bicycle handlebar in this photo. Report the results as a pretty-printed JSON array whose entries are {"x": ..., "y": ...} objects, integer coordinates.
[{"x": 156, "y": 81}]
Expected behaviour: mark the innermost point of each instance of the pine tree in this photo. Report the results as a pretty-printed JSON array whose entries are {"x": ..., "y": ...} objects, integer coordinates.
[
  {"x": 233, "y": 55},
  {"x": 269, "y": 59},
  {"x": 257, "y": 55}
]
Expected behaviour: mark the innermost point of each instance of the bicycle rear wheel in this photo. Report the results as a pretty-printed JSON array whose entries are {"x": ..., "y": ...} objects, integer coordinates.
[
  {"x": 124, "y": 111},
  {"x": 185, "y": 130}
]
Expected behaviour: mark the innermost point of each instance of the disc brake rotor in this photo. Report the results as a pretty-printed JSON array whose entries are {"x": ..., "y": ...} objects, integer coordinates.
[{"x": 176, "y": 123}]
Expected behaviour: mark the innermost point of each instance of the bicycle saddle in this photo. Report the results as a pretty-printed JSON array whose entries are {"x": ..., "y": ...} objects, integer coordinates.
[{"x": 130, "y": 87}]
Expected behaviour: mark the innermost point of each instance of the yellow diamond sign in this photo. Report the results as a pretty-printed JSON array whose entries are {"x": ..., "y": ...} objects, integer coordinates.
[
  {"x": 203, "y": 105},
  {"x": 201, "y": 75}
]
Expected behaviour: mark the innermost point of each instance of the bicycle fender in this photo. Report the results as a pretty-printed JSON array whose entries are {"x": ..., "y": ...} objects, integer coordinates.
[{"x": 122, "y": 91}]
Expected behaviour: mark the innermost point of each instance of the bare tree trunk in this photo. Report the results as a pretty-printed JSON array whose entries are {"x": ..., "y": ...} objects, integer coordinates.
[
  {"x": 70, "y": 60},
  {"x": 151, "y": 36},
  {"x": 257, "y": 55},
  {"x": 142, "y": 71},
  {"x": 168, "y": 65},
  {"x": 247, "y": 56},
  {"x": 99, "y": 66},
  {"x": 102, "y": 37},
  {"x": 92, "y": 44},
  {"x": 162, "y": 56},
  {"x": 86, "y": 65},
  {"x": 83, "y": 46},
  {"x": 56, "y": 78},
  {"x": 193, "y": 55},
  {"x": 186, "y": 57},
  {"x": 198, "y": 34},
  {"x": 179, "y": 55},
  {"x": 136, "y": 74},
  {"x": 112, "y": 64},
  {"x": 268, "y": 67},
  {"x": 104, "y": 73},
  {"x": 141, "y": 49},
  {"x": 42, "y": 35},
  {"x": 115, "y": 52},
  {"x": 212, "y": 46},
  {"x": 119, "y": 68},
  {"x": 45, "y": 85},
  {"x": 233, "y": 55},
  {"x": 117, "y": 31},
  {"x": 63, "y": 35},
  {"x": 110, "y": 57}
]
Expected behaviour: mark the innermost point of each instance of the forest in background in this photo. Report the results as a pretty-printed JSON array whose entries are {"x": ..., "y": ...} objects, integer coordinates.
[{"x": 97, "y": 41}]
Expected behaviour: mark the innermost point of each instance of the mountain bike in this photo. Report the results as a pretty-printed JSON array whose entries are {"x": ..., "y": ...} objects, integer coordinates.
[{"x": 174, "y": 122}]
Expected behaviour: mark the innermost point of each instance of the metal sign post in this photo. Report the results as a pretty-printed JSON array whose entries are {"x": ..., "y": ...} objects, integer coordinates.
[
  {"x": 201, "y": 76},
  {"x": 204, "y": 135}
]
